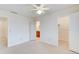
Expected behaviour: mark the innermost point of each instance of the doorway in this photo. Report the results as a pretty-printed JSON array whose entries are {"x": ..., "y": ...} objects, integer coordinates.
[
  {"x": 63, "y": 32},
  {"x": 3, "y": 32},
  {"x": 37, "y": 30}
]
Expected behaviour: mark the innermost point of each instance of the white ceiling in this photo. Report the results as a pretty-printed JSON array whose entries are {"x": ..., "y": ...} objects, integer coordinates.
[{"x": 26, "y": 9}]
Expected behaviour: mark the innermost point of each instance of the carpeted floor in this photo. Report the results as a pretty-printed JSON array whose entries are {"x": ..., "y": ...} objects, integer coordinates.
[{"x": 34, "y": 47}]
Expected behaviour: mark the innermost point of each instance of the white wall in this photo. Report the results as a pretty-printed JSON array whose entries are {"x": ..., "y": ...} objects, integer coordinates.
[
  {"x": 18, "y": 28},
  {"x": 32, "y": 30},
  {"x": 74, "y": 32},
  {"x": 48, "y": 30},
  {"x": 48, "y": 24}
]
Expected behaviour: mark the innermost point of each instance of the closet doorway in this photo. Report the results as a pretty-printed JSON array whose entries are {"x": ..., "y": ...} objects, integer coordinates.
[
  {"x": 3, "y": 32},
  {"x": 63, "y": 32}
]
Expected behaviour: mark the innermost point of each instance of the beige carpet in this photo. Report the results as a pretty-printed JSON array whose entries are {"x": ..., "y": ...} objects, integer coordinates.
[{"x": 33, "y": 47}]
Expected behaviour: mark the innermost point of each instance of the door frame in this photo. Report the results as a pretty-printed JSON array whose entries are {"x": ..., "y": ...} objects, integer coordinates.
[
  {"x": 5, "y": 44},
  {"x": 60, "y": 25}
]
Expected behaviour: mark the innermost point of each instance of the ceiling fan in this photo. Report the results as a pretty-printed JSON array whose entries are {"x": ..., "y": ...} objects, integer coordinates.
[{"x": 39, "y": 8}]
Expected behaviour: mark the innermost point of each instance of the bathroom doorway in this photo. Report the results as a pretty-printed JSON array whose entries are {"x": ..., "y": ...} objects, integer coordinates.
[{"x": 63, "y": 32}]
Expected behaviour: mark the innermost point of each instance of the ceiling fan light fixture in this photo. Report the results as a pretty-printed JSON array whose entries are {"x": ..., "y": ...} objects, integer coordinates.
[
  {"x": 40, "y": 8},
  {"x": 39, "y": 12}
]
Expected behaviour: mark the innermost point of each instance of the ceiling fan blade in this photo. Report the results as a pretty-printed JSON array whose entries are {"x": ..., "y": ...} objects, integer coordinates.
[
  {"x": 35, "y": 6},
  {"x": 42, "y": 5}
]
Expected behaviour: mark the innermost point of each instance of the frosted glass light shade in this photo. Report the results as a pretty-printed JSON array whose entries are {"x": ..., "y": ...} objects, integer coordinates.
[{"x": 39, "y": 12}]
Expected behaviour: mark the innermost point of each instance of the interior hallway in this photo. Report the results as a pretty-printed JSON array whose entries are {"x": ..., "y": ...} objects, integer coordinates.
[{"x": 33, "y": 47}]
